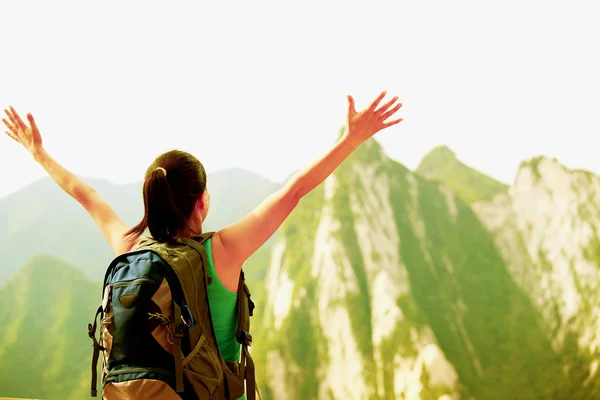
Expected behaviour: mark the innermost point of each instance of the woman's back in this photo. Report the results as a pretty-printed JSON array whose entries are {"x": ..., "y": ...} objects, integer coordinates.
[
  {"x": 223, "y": 311},
  {"x": 222, "y": 303}
]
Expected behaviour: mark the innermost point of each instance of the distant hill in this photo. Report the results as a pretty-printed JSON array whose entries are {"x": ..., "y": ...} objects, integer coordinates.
[
  {"x": 42, "y": 218},
  {"x": 441, "y": 164},
  {"x": 234, "y": 193},
  {"x": 45, "y": 351}
]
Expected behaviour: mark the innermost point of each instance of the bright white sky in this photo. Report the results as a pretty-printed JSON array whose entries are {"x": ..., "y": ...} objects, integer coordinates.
[{"x": 261, "y": 85}]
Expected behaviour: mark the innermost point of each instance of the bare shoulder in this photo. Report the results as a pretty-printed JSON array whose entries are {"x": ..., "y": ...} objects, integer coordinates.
[{"x": 226, "y": 267}]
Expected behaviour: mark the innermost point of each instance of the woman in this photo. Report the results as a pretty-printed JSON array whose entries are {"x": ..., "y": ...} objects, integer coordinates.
[{"x": 177, "y": 201}]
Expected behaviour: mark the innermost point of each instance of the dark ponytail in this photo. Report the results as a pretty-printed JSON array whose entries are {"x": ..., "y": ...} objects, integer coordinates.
[{"x": 172, "y": 186}]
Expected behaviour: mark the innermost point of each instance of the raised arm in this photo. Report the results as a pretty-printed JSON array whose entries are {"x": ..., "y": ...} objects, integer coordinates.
[
  {"x": 110, "y": 224},
  {"x": 237, "y": 242}
]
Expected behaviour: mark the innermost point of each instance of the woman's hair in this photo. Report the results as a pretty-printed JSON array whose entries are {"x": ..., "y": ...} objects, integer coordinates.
[{"x": 172, "y": 186}]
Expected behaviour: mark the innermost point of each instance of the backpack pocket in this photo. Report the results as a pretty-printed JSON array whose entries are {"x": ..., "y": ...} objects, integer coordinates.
[
  {"x": 106, "y": 338},
  {"x": 234, "y": 382},
  {"x": 141, "y": 389},
  {"x": 203, "y": 368}
]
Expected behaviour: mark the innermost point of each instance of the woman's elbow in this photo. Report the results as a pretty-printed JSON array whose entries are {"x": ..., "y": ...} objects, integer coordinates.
[{"x": 291, "y": 195}]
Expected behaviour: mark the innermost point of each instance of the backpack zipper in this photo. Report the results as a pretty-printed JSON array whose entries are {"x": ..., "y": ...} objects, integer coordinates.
[
  {"x": 138, "y": 281},
  {"x": 139, "y": 370}
]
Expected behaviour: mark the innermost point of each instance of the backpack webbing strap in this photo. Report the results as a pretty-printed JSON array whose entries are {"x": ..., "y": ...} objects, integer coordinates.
[
  {"x": 96, "y": 355},
  {"x": 177, "y": 336},
  {"x": 245, "y": 308},
  {"x": 195, "y": 350},
  {"x": 249, "y": 374}
]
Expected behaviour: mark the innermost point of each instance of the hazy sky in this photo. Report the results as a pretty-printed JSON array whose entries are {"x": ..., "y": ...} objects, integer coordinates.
[{"x": 262, "y": 85}]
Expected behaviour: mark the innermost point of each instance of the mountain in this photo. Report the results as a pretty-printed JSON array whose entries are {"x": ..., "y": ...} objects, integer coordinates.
[
  {"x": 382, "y": 284},
  {"x": 547, "y": 230},
  {"x": 386, "y": 285},
  {"x": 441, "y": 164},
  {"x": 45, "y": 351},
  {"x": 234, "y": 193},
  {"x": 42, "y": 218}
]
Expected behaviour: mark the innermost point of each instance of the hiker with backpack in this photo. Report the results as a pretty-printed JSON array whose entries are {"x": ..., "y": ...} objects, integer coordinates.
[{"x": 181, "y": 291}]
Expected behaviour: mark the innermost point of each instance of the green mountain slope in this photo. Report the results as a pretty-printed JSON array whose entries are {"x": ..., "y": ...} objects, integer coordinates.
[
  {"x": 44, "y": 348},
  {"x": 42, "y": 218},
  {"x": 381, "y": 285},
  {"x": 441, "y": 165},
  {"x": 385, "y": 285}
]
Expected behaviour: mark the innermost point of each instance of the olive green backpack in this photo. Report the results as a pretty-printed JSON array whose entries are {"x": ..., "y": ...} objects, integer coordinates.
[{"x": 155, "y": 305}]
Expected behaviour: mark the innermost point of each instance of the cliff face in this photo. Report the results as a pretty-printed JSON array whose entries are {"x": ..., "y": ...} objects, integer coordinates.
[
  {"x": 385, "y": 285},
  {"x": 546, "y": 227}
]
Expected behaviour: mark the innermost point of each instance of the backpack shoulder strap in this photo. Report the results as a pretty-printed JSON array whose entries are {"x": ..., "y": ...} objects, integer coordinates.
[
  {"x": 193, "y": 282},
  {"x": 203, "y": 237},
  {"x": 245, "y": 309}
]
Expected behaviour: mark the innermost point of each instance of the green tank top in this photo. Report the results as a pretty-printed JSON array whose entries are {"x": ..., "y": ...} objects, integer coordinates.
[{"x": 222, "y": 304}]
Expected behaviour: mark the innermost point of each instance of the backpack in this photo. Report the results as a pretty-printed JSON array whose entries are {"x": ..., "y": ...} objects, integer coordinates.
[{"x": 155, "y": 305}]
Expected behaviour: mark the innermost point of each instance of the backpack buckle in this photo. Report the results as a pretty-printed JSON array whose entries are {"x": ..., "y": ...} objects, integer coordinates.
[
  {"x": 251, "y": 307},
  {"x": 245, "y": 338},
  {"x": 179, "y": 327},
  {"x": 178, "y": 331},
  {"x": 187, "y": 317},
  {"x": 251, "y": 304}
]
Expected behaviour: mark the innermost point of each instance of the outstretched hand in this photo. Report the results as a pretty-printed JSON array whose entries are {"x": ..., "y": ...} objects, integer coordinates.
[
  {"x": 28, "y": 136},
  {"x": 362, "y": 125}
]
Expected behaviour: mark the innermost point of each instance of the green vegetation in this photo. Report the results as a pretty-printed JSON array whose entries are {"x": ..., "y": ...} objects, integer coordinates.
[
  {"x": 299, "y": 343},
  {"x": 45, "y": 351},
  {"x": 442, "y": 165},
  {"x": 400, "y": 341},
  {"x": 459, "y": 289},
  {"x": 534, "y": 164},
  {"x": 256, "y": 267},
  {"x": 484, "y": 323},
  {"x": 430, "y": 391},
  {"x": 359, "y": 304},
  {"x": 300, "y": 336},
  {"x": 592, "y": 251}
]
